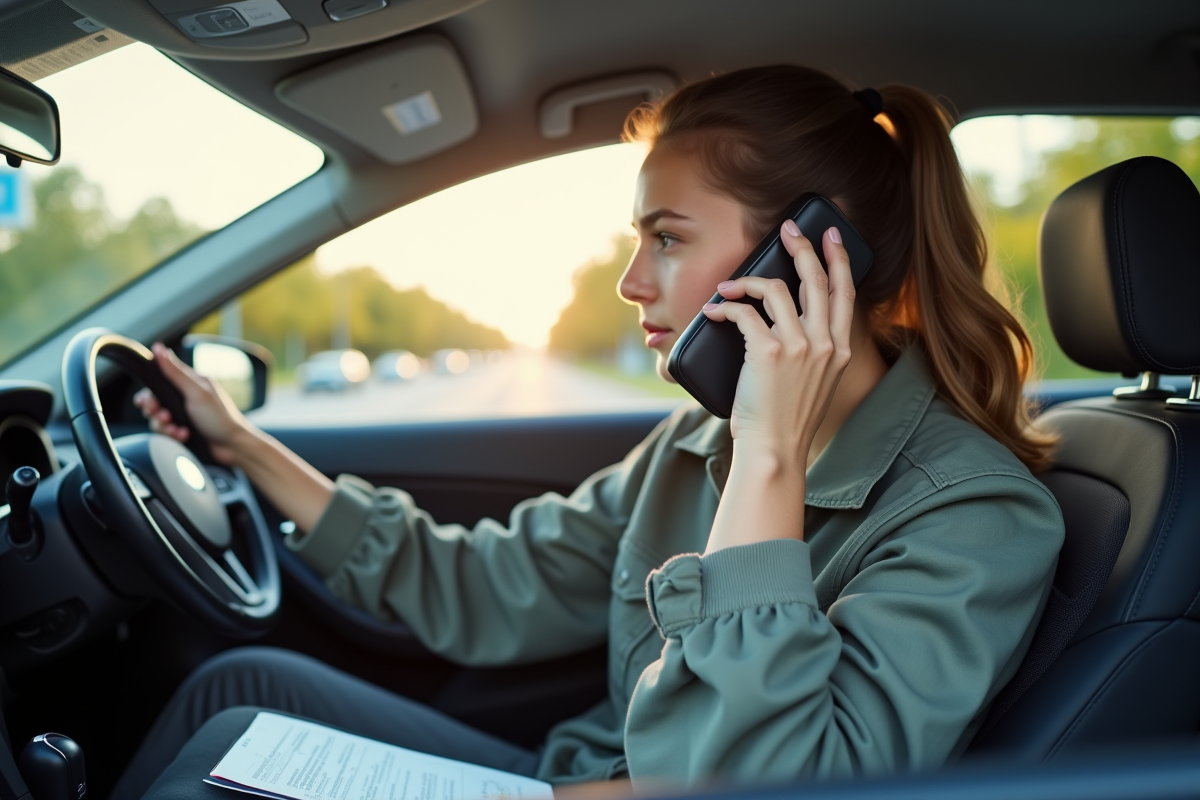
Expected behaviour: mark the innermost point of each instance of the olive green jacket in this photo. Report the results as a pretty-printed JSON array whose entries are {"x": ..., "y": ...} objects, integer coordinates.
[{"x": 871, "y": 647}]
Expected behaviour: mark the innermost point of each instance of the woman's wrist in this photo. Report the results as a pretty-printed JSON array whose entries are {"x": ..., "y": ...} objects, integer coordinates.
[
  {"x": 763, "y": 499},
  {"x": 765, "y": 462},
  {"x": 245, "y": 445}
]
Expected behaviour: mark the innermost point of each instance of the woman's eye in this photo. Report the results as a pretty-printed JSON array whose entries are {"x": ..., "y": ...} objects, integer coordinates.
[{"x": 666, "y": 240}]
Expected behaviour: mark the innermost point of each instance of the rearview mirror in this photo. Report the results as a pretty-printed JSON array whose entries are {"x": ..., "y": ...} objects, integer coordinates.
[
  {"x": 240, "y": 367},
  {"x": 28, "y": 122}
]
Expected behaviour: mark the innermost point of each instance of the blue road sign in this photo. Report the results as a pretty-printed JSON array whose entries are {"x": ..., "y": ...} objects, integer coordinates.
[{"x": 15, "y": 200}]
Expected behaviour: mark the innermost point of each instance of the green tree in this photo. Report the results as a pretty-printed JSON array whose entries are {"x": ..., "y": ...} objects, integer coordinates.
[
  {"x": 75, "y": 253},
  {"x": 593, "y": 324},
  {"x": 298, "y": 303},
  {"x": 1013, "y": 231}
]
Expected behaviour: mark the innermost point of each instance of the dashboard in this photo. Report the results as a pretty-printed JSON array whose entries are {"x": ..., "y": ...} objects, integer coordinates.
[{"x": 24, "y": 410}]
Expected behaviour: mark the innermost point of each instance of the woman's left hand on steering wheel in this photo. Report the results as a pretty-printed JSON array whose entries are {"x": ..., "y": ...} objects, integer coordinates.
[
  {"x": 791, "y": 371},
  {"x": 212, "y": 411}
]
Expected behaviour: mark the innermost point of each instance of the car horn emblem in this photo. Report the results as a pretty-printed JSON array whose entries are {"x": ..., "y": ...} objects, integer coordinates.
[{"x": 192, "y": 475}]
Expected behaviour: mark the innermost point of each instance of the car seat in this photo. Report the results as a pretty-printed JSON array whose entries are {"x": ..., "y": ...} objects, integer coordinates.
[{"x": 1115, "y": 658}]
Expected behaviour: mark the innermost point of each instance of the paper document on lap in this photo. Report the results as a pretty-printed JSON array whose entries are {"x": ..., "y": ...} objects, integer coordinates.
[{"x": 285, "y": 757}]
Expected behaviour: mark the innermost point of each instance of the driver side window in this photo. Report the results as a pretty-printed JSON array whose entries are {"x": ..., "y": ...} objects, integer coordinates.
[
  {"x": 429, "y": 314},
  {"x": 432, "y": 313}
]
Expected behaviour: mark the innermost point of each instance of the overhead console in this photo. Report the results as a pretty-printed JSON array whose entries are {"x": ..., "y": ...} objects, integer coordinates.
[
  {"x": 265, "y": 29},
  {"x": 400, "y": 101}
]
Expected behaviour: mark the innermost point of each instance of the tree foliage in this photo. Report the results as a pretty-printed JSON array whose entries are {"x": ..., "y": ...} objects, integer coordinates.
[
  {"x": 75, "y": 253},
  {"x": 301, "y": 302},
  {"x": 596, "y": 320},
  {"x": 1097, "y": 143}
]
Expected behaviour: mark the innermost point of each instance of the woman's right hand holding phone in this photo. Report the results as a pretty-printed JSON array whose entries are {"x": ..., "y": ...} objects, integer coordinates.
[{"x": 791, "y": 372}]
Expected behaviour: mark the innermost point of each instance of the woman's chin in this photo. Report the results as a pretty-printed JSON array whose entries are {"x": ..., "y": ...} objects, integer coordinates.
[{"x": 660, "y": 366}]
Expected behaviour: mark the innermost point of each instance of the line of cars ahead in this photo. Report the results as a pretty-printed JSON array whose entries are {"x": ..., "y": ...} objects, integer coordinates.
[{"x": 338, "y": 370}]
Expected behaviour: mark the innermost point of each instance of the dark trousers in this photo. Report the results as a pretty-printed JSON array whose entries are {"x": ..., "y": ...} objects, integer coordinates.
[{"x": 218, "y": 701}]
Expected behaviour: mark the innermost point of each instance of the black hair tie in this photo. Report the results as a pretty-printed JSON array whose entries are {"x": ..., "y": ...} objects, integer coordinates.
[{"x": 871, "y": 100}]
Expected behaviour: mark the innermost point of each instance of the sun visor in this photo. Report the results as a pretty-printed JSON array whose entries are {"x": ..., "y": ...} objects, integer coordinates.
[{"x": 401, "y": 102}]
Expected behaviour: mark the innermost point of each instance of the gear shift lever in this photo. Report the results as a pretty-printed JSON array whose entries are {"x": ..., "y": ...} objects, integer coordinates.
[
  {"x": 21, "y": 486},
  {"x": 52, "y": 765}
]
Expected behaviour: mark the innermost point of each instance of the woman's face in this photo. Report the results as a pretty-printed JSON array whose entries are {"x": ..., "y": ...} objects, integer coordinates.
[{"x": 689, "y": 239}]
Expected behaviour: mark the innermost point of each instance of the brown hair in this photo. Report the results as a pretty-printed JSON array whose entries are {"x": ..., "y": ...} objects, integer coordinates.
[{"x": 765, "y": 135}]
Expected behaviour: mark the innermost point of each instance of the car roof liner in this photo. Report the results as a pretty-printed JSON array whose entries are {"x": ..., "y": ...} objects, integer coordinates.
[
  {"x": 247, "y": 30},
  {"x": 984, "y": 58}
]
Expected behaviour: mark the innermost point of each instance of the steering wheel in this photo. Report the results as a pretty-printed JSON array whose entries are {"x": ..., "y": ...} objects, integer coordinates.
[{"x": 196, "y": 529}]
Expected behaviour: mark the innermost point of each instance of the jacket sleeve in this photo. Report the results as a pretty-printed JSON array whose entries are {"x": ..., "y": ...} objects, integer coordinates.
[
  {"x": 755, "y": 681},
  {"x": 492, "y": 594}
]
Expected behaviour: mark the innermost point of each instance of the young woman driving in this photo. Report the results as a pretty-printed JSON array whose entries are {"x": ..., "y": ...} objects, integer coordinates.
[{"x": 834, "y": 582}]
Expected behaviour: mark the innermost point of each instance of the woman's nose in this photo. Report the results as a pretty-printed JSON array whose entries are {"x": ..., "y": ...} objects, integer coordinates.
[{"x": 637, "y": 285}]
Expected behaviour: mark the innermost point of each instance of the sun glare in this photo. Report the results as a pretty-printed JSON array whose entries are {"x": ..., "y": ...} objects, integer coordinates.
[{"x": 502, "y": 248}]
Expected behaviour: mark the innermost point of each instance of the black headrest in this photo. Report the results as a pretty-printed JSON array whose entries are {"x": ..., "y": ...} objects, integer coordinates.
[{"x": 1120, "y": 269}]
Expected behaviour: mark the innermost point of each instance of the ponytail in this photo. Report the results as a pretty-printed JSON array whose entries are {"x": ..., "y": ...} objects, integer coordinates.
[
  {"x": 979, "y": 355},
  {"x": 766, "y": 134}
]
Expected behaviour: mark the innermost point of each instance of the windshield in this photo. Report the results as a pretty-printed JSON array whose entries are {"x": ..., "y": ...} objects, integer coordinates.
[{"x": 153, "y": 159}]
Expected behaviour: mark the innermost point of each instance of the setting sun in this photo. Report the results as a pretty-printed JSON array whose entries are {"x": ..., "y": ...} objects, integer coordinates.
[{"x": 502, "y": 248}]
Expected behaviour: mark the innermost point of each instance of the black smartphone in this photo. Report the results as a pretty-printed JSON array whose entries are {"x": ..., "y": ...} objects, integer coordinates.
[{"x": 707, "y": 359}]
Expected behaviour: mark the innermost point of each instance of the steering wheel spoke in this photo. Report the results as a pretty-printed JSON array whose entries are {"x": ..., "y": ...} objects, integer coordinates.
[
  {"x": 251, "y": 595},
  {"x": 193, "y": 554},
  {"x": 140, "y": 489}
]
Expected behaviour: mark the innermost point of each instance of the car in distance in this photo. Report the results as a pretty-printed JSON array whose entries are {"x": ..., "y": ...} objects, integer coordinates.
[
  {"x": 451, "y": 361},
  {"x": 334, "y": 370},
  {"x": 397, "y": 365}
]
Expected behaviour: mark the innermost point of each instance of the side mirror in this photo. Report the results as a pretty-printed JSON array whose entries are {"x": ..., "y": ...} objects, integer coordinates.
[
  {"x": 240, "y": 367},
  {"x": 28, "y": 122}
]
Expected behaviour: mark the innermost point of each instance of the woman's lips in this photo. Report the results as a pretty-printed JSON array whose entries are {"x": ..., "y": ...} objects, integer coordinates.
[{"x": 655, "y": 335}]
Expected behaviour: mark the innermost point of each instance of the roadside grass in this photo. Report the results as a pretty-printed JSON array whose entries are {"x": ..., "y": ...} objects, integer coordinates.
[{"x": 648, "y": 382}]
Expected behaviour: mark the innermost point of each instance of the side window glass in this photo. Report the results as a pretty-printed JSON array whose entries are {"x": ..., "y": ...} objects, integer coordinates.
[
  {"x": 493, "y": 298},
  {"x": 1019, "y": 164},
  {"x": 498, "y": 297}
]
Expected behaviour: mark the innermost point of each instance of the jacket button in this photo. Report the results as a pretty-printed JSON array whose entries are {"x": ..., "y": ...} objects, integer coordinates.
[{"x": 623, "y": 578}]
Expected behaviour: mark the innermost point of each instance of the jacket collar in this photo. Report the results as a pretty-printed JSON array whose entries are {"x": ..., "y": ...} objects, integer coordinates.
[{"x": 862, "y": 450}]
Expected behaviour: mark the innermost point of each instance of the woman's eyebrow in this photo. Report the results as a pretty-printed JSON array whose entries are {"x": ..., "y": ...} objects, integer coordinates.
[{"x": 662, "y": 213}]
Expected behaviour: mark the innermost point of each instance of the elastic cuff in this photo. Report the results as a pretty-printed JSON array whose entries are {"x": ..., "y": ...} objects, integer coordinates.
[
  {"x": 673, "y": 594},
  {"x": 689, "y": 588},
  {"x": 774, "y": 573},
  {"x": 326, "y": 546}
]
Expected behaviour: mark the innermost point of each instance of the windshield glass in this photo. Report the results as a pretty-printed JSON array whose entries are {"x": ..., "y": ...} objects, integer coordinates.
[{"x": 150, "y": 164}]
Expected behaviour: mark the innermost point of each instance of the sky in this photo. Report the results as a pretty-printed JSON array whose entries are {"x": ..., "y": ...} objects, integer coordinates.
[{"x": 501, "y": 248}]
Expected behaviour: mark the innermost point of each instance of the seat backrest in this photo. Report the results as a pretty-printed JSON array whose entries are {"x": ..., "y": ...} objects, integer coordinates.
[{"x": 1116, "y": 656}]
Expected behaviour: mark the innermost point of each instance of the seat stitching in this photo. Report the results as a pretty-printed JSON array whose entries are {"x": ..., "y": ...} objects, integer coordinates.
[
  {"x": 1192, "y": 606},
  {"x": 1099, "y": 695},
  {"x": 1126, "y": 272},
  {"x": 1164, "y": 529},
  {"x": 1172, "y": 503},
  {"x": 1122, "y": 262}
]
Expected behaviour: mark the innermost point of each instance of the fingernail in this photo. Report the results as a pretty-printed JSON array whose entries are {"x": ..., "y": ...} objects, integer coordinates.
[
  {"x": 835, "y": 236},
  {"x": 791, "y": 228},
  {"x": 723, "y": 285},
  {"x": 710, "y": 306}
]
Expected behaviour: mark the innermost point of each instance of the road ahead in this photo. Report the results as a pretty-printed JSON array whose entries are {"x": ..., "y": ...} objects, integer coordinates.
[{"x": 522, "y": 384}]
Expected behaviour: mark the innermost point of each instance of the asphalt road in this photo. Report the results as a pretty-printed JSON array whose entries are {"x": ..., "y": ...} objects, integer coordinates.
[{"x": 522, "y": 384}]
